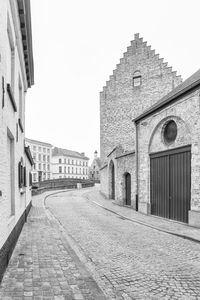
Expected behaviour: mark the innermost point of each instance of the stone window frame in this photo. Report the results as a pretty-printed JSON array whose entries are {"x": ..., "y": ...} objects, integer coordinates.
[
  {"x": 137, "y": 78},
  {"x": 165, "y": 141}
]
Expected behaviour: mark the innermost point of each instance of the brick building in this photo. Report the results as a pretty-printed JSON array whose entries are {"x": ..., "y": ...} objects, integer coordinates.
[
  {"x": 42, "y": 153},
  {"x": 168, "y": 155},
  {"x": 94, "y": 169},
  {"x": 69, "y": 164},
  {"x": 139, "y": 81},
  {"x": 16, "y": 76},
  {"x": 150, "y": 137}
]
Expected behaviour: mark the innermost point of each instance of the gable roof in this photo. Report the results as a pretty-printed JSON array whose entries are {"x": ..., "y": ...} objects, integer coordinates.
[
  {"x": 65, "y": 152},
  {"x": 190, "y": 83},
  {"x": 38, "y": 142}
]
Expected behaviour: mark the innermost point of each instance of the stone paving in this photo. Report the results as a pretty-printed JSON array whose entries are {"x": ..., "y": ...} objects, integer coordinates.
[
  {"x": 131, "y": 261},
  {"x": 44, "y": 266},
  {"x": 162, "y": 224}
]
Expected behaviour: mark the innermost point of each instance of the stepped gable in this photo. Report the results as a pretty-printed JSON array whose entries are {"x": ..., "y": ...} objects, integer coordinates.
[
  {"x": 188, "y": 84},
  {"x": 136, "y": 46},
  {"x": 65, "y": 152}
]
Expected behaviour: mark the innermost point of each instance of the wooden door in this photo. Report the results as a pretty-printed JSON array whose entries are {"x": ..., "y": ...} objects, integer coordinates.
[
  {"x": 170, "y": 183},
  {"x": 128, "y": 189}
]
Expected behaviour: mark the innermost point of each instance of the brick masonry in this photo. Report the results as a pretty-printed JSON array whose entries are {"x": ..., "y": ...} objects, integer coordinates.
[
  {"x": 11, "y": 135},
  {"x": 185, "y": 113},
  {"x": 121, "y": 102}
]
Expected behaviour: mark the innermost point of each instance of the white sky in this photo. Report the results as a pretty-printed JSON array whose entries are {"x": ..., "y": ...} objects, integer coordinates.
[{"x": 78, "y": 43}]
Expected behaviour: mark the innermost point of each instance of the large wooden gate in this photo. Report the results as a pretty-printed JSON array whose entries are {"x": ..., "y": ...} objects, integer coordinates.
[
  {"x": 128, "y": 188},
  {"x": 170, "y": 183}
]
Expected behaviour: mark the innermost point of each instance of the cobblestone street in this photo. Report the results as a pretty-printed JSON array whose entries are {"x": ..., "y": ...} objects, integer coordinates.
[{"x": 128, "y": 260}]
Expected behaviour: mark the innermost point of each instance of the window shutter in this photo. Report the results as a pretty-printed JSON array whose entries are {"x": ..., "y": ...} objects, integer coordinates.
[
  {"x": 30, "y": 179},
  {"x": 19, "y": 175},
  {"x": 25, "y": 182}
]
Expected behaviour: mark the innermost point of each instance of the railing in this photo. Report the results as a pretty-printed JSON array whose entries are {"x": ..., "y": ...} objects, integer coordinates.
[{"x": 59, "y": 184}]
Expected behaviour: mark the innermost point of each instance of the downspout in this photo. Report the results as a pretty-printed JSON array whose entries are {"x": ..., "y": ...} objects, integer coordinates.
[{"x": 136, "y": 166}]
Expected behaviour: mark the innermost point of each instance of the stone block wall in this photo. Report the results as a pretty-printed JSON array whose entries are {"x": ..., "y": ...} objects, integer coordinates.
[
  {"x": 120, "y": 101},
  {"x": 186, "y": 114}
]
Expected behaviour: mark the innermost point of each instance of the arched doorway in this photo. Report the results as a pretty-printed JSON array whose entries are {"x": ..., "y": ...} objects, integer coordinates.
[
  {"x": 128, "y": 189},
  {"x": 113, "y": 181}
]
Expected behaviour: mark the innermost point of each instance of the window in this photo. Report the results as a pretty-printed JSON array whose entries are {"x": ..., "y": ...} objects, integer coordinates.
[
  {"x": 72, "y": 161},
  {"x": 60, "y": 160},
  {"x": 170, "y": 131},
  {"x": 48, "y": 167},
  {"x": 44, "y": 157},
  {"x": 34, "y": 156},
  {"x": 65, "y": 169},
  {"x": 39, "y": 149},
  {"x": 80, "y": 170},
  {"x": 72, "y": 170},
  {"x": 20, "y": 99},
  {"x": 48, "y": 150},
  {"x": 34, "y": 177},
  {"x": 76, "y": 170},
  {"x": 39, "y": 166},
  {"x": 44, "y": 167},
  {"x": 137, "y": 78},
  {"x": 69, "y": 170},
  {"x": 39, "y": 156},
  {"x": 83, "y": 171},
  {"x": 60, "y": 169},
  {"x": 12, "y": 54},
  {"x": 48, "y": 158},
  {"x": 34, "y": 148},
  {"x": 68, "y": 162},
  {"x": 44, "y": 150}
]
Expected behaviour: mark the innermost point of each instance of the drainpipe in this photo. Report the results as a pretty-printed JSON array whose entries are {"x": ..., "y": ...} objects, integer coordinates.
[{"x": 136, "y": 166}]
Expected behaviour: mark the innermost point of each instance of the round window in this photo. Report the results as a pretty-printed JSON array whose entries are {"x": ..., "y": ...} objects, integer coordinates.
[{"x": 170, "y": 131}]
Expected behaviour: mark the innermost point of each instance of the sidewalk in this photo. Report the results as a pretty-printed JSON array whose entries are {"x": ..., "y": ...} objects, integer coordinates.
[
  {"x": 168, "y": 226},
  {"x": 44, "y": 266}
]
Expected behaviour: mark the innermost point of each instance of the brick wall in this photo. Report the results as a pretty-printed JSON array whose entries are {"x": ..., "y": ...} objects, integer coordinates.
[
  {"x": 120, "y": 102},
  {"x": 9, "y": 123},
  {"x": 185, "y": 113}
]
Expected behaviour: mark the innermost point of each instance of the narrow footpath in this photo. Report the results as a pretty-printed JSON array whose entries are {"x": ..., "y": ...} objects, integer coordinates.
[{"x": 44, "y": 266}]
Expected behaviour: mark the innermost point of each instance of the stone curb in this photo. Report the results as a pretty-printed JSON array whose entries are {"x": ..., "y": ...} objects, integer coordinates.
[
  {"x": 183, "y": 236},
  {"x": 148, "y": 225}
]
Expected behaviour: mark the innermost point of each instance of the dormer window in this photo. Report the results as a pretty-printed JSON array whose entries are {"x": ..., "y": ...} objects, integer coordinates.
[{"x": 137, "y": 78}]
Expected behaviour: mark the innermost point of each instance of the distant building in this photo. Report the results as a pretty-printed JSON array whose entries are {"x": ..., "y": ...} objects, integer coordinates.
[
  {"x": 41, "y": 153},
  {"x": 16, "y": 76},
  {"x": 94, "y": 169},
  {"x": 69, "y": 164}
]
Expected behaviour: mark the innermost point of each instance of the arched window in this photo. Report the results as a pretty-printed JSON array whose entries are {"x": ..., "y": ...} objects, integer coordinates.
[{"x": 137, "y": 78}]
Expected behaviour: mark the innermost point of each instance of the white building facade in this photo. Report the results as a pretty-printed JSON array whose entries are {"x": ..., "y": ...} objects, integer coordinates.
[
  {"x": 42, "y": 153},
  {"x": 69, "y": 164},
  {"x": 16, "y": 76}
]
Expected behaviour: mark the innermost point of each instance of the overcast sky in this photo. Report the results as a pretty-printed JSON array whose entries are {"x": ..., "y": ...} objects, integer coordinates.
[{"x": 77, "y": 45}]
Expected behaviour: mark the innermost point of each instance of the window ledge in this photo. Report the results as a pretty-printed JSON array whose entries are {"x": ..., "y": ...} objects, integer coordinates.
[{"x": 11, "y": 96}]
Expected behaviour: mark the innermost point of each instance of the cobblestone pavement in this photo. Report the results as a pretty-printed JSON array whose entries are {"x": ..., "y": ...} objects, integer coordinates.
[
  {"x": 44, "y": 266},
  {"x": 131, "y": 261}
]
